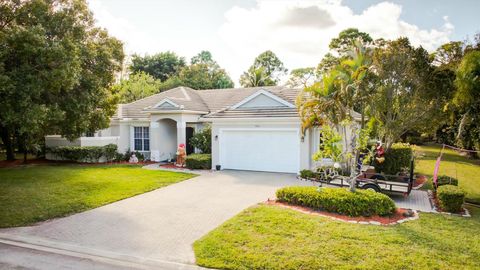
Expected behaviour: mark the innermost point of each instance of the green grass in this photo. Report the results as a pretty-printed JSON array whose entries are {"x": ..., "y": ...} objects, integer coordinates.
[
  {"x": 270, "y": 237},
  {"x": 466, "y": 170},
  {"x": 31, "y": 193}
]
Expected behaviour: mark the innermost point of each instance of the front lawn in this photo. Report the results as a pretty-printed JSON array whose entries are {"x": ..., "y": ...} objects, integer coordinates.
[
  {"x": 270, "y": 237},
  {"x": 466, "y": 170},
  {"x": 32, "y": 193}
]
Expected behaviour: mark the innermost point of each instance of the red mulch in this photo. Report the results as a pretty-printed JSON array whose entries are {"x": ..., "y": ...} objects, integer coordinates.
[
  {"x": 19, "y": 162},
  {"x": 383, "y": 220},
  {"x": 419, "y": 181}
]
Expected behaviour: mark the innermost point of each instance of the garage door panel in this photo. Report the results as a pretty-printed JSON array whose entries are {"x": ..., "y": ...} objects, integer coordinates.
[{"x": 260, "y": 150}]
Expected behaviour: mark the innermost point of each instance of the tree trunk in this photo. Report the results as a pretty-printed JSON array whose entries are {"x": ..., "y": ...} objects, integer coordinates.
[{"x": 7, "y": 142}]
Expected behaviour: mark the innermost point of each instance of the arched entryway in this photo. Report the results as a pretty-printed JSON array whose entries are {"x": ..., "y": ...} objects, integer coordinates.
[{"x": 166, "y": 139}]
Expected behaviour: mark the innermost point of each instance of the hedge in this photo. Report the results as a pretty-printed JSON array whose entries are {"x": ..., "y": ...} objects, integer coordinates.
[
  {"x": 85, "y": 153},
  {"x": 339, "y": 200},
  {"x": 451, "y": 198},
  {"x": 446, "y": 180},
  {"x": 397, "y": 158},
  {"x": 199, "y": 161}
]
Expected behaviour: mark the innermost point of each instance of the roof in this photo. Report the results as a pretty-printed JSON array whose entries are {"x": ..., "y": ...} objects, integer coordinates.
[{"x": 211, "y": 103}]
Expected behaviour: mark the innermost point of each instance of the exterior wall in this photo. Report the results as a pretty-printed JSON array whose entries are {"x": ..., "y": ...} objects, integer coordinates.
[{"x": 305, "y": 145}]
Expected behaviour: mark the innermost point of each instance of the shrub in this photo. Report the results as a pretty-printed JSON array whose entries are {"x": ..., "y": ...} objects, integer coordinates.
[
  {"x": 128, "y": 155},
  {"x": 307, "y": 174},
  {"x": 451, "y": 198},
  {"x": 85, "y": 153},
  {"x": 203, "y": 140},
  {"x": 339, "y": 200},
  {"x": 397, "y": 158},
  {"x": 199, "y": 161},
  {"x": 446, "y": 180}
]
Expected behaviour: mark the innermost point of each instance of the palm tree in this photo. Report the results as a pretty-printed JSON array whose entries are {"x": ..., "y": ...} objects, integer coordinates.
[
  {"x": 254, "y": 77},
  {"x": 333, "y": 99}
]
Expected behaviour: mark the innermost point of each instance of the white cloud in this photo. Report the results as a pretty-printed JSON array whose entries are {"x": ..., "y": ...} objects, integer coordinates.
[
  {"x": 289, "y": 28},
  {"x": 134, "y": 39}
]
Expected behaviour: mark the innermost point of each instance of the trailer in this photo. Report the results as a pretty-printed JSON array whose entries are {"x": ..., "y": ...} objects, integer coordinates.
[{"x": 369, "y": 180}]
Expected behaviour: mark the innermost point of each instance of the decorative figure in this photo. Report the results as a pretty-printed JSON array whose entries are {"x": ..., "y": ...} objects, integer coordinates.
[
  {"x": 133, "y": 159},
  {"x": 379, "y": 152},
  {"x": 181, "y": 154}
]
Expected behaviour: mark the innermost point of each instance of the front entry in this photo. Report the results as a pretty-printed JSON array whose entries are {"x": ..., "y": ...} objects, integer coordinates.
[{"x": 188, "y": 135}]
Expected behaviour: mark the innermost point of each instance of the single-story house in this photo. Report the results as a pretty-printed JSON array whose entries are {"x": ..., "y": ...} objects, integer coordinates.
[{"x": 252, "y": 128}]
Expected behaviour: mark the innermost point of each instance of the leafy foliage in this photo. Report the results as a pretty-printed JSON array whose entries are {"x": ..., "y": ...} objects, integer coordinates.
[
  {"x": 339, "y": 200},
  {"x": 343, "y": 42},
  {"x": 199, "y": 161},
  {"x": 265, "y": 71},
  {"x": 403, "y": 98},
  {"x": 397, "y": 159},
  {"x": 137, "y": 86},
  {"x": 330, "y": 145},
  {"x": 451, "y": 198},
  {"x": 160, "y": 66},
  {"x": 301, "y": 77},
  {"x": 446, "y": 180},
  {"x": 203, "y": 140},
  {"x": 55, "y": 66},
  {"x": 85, "y": 153}
]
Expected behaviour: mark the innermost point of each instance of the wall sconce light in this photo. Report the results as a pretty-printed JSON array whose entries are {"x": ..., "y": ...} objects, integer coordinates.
[
  {"x": 302, "y": 139},
  {"x": 216, "y": 137}
]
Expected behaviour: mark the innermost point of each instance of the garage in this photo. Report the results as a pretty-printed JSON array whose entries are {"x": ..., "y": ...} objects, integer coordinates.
[{"x": 271, "y": 150}]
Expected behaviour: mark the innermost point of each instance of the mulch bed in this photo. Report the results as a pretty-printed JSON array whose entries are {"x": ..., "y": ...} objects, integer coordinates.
[
  {"x": 396, "y": 218},
  {"x": 420, "y": 181}
]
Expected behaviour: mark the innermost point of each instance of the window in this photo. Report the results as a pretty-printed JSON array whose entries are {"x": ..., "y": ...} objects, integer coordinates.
[{"x": 141, "y": 139}]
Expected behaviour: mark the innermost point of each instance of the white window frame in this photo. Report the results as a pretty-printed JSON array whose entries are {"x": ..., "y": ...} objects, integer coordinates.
[{"x": 143, "y": 138}]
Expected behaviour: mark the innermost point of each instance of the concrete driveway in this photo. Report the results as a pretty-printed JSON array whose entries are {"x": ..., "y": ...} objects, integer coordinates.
[{"x": 160, "y": 225}]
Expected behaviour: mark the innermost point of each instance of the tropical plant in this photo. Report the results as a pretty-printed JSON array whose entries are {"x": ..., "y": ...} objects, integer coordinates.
[
  {"x": 265, "y": 71},
  {"x": 334, "y": 98}
]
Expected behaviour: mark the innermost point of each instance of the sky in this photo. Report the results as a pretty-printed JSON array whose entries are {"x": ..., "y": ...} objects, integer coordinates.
[{"x": 298, "y": 32}]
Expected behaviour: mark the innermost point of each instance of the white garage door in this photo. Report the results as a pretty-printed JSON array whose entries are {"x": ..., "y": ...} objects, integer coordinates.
[{"x": 260, "y": 150}]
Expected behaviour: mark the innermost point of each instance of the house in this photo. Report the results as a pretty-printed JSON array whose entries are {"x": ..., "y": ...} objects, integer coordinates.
[{"x": 252, "y": 128}]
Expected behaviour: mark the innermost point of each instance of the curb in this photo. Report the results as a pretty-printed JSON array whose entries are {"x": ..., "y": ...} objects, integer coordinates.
[{"x": 107, "y": 257}]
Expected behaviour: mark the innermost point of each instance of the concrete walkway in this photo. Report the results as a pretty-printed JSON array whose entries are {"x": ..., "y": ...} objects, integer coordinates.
[
  {"x": 417, "y": 200},
  {"x": 160, "y": 225}
]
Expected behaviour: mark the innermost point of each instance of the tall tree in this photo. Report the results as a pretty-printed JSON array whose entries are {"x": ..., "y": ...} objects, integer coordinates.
[
  {"x": 161, "y": 65},
  {"x": 404, "y": 96},
  {"x": 333, "y": 99},
  {"x": 137, "y": 86},
  {"x": 204, "y": 73},
  {"x": 56, "y": 69},
  {"x": 270, "y": 65},
  {"x": 467, "y": 99},
  {"x": 253, "y": 78},
  {"x": 301, "y": 77},
  {"x": 343, "y": 42}
]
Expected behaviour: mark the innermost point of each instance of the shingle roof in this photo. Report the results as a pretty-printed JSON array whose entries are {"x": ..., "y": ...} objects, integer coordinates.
[{"x": 215, "y": 102}]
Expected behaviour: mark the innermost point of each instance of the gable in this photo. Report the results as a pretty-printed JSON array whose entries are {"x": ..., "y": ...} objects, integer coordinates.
[
  {"x": 166, "y": 104},
  {"x": 262, "y": 99}
]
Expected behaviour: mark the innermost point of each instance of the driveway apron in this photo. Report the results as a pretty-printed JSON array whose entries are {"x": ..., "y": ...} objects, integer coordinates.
[{"x": 164, "y": 223}]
